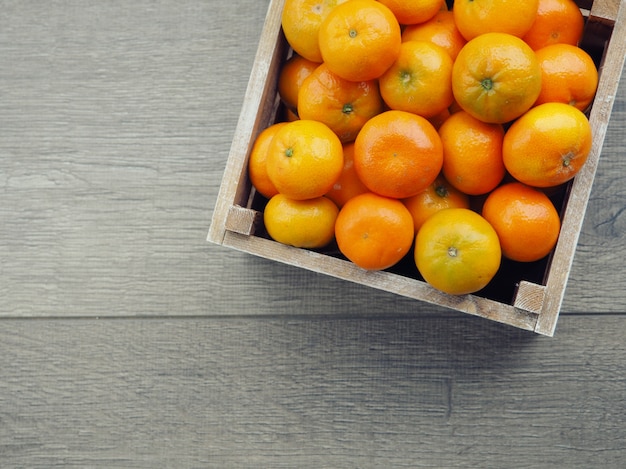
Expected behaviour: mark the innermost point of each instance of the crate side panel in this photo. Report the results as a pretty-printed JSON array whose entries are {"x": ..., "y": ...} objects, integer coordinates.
[
  {"x": 256, "y": 113},
  {"x": 382, "y": 280},
  {"x": 573, "y": 218}
]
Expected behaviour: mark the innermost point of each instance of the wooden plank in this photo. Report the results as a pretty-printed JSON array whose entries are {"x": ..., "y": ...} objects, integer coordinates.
[{"x": 234, "y": 393}]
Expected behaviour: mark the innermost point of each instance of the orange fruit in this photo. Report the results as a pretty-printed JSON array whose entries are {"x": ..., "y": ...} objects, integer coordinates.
[
  {"x": 373, "y": 231},
  {"x": 304, "y": 159},
  {"x": 360, "y": 39},
  {"x": 257, "y": 163},
  {"x": 476, "y": 17},
  {"x": 457, "y": 251},
  {"x": 420, "y": 80},
  {"x": 557, "y": 21},
  {"x": 413, "y": 11},
  {"x": 472, "y": 153},
  {"x": 301, "y": 223},
  {"x": 548, "y": 145},
  {"x": 437, "y": 196},
  {"x": 440, "y": 30},
  {"x": 569, "y": 76},
  {"x": 342, "y": 105},
  {"x": 348, "y": 185},
  {"x": 496, "y": 77},
  {"x": 290, "y": 78},
  {"x": 301, "y": 20},
  {"x": 525, "y": 219},
  {"x": 397, "y": 154}
]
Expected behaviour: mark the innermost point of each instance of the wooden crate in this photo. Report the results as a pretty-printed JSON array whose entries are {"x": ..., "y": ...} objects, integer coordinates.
[{"x": 527, "y": 296}]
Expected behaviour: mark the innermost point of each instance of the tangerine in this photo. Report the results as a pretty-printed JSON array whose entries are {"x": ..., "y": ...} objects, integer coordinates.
[
  {"x": 440, "y": 30},
  {"x": 373, "y": 231},
  {"x": 548, "y": 145},
  {"x": 413, "y": 11},
  {"x": 496, "y": 77},
  {"x": 257, "y": 163},
  {"x": 397, "y": 154},
  {"x": 569, "y": 76},
  {"x": 348, "y": 185},
  {"x": 292, "y": 74},
  {"x": 342, "y": 105},
  {"x": 304, "y": 159},
  {"x": 301, "y": 20},
  {"x": 360, "y": 39},
  {"x": 476, "y": 17},
  {"x": 457, "y": 251},
  {"x": 420, "y": 80},
  {"x": 557, "y": 22},
  {"x": 301, "y": 223},
  {"x": 472, "y": 153},
  {"x": 437, "y": 196},
  {"x": 525, "y": 219}
]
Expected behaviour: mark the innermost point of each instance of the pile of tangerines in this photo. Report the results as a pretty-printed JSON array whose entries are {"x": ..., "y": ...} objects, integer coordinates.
[{"x": 411, "y": 125}]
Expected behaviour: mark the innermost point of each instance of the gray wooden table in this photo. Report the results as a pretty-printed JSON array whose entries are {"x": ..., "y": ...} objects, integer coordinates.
[{"x": 127, "y": 341}]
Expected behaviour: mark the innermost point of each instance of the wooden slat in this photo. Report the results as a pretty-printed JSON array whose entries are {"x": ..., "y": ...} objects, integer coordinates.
[{"x": 256, "y": 113}]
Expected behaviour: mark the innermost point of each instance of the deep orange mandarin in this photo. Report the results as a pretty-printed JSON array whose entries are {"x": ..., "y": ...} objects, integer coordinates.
[
  {"x": 398, "y": 154},
  {"x": 568, "y": 75},
  {"x": 440, "y": 30},
  {"x": 557, "y": 22},
  {"x": 343, "y": 105},
  {"x": 476, "y": 17},
  {"x": 472, "y": 153},
  {"x": 373, "y": 231},
  {"x": 525, "y": 219}
]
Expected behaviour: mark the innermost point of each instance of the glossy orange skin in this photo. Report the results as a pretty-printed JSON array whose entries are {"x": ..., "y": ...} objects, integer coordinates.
[
  {"x": 557, "y": 22},
  {"x": 525, "y": 219},
  {"x": 343, "y": 105},
  {"x": 413, "y": 11},
  {"x": 348, "y": 185},
  {"x": 398, "y": 154},
  {"x": 301, "y": 223},
  {"x": 437, "y": 196},
  {"x": 440, "y": 30},
  {"x": 292, "y": 73},
  {"x": 257, "y": 163},
  {"x": 476, "y": 17},
  {"x": 568, "y": 75},
  {"x": 304, "y": 159},
  {"x": 548, "y": 145},
  {"x": 301, "y": 21},
  {"x": 496, "y": 78},
  {"x": 360, "y": 39},
  {"x": 420, "y": 80},
  {"x": 373, "y": 231},
  {"x": 472, "y": 153},
  {"x": 457, "y": 251}
]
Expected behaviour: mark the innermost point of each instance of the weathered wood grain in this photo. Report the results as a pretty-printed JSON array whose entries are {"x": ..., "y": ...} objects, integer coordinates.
[{"x": 296, "y": 393}]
